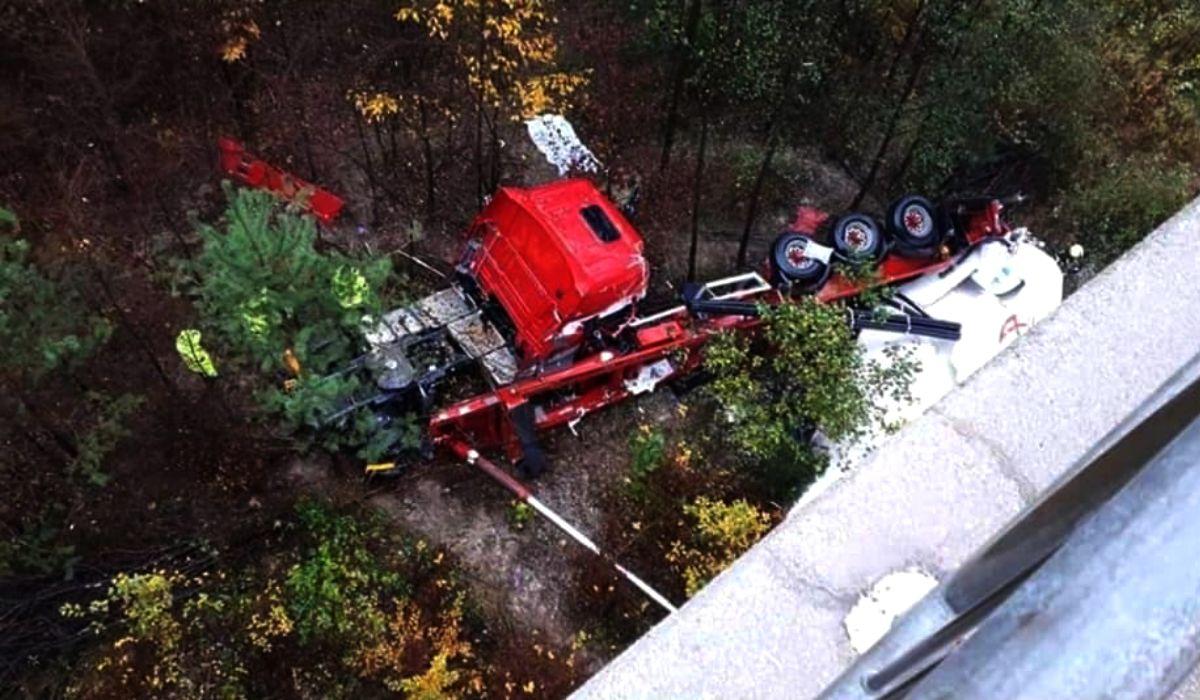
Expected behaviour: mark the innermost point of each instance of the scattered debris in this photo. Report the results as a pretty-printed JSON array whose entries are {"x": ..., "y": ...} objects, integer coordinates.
[{"x": 556, "y": 139}]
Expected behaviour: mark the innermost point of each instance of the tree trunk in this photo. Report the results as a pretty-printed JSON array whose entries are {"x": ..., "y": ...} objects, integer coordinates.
[
  {"x": 368, "y": 168},
  {"x": 910, "y": 153},
  {"x": 479, "y": 193},
  {"x": 298, "y": 84},
  {"x": 479, "y": 149},
  {"x": 128, "y": 324},
  {"x": 910, "y": 33},
  {"x": 910, "y": 87},
  {"x": 494, "y": 150},
  {"x": 427, "y": 153},
  {"x": 245, "y": 127},
  {"x": 306, "y": 141},
  {"x": 756, "y": 193},
  {"x": 380, "y": 147},
  {"x": 696, "y": 186},
  {"x": 683, "y": 65},
  {"x": 75, "y": 33},
  {"x": 61, "y": 439}
]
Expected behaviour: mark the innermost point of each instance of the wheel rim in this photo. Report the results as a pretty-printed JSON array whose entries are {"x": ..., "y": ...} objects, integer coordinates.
[
  {"x": 795, "y": 253},
  {"x": 858, "y": 237},
  {"x": 917, "y": 221}
]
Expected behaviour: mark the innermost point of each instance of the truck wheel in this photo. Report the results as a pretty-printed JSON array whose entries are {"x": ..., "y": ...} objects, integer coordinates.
[
  {"x": 914, "y": 224},
  {"x": 858, "y": 238},
  {"x": 792, "y": 265}
]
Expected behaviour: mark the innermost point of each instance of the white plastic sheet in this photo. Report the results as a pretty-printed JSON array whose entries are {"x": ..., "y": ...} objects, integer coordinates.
[{"x": 556, "y": 139}]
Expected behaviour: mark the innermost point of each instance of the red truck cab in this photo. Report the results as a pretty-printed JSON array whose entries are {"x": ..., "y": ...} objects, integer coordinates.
[{"x": 553, "y": 257}]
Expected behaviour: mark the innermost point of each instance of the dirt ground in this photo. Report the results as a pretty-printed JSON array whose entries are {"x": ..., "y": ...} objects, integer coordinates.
[{"x": 523, "y": 576}]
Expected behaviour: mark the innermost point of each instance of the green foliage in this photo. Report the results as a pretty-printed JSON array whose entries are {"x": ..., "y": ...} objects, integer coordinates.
[
  {"x": 520, "y": 514},
  {"x": 1150, "y": 48},
  {"x": 334, "y": 591},
  {"x": 1124, "y": 203},
  {"x": 107, "y": 428},
  {"x": 46, "y": 327},
  {"x": 721, "y": 533},
  {"x": 36, "y": 547},
  {"x": 648, "y": 449},
  {"x": 265, "y": 289},
  {"x": 1030, "y": 64},
  {"x": 810, "y": 374},
  {"x": 146, "y": 600},
  {"x": 746, "y": 53},
  {"x": 172, "y": 639},
  {"x": 344, "y": 608},
  {"x": 194, "y": 356},
  {"x": 304, "y": 408},
  {"x": 865, "y": 274},
  {"x": 947, "y": 96},
  {"x": 45, "y": 324}
]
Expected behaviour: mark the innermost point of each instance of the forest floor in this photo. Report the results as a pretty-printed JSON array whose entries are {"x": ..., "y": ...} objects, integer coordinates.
[{"x": 524, "y": 574}]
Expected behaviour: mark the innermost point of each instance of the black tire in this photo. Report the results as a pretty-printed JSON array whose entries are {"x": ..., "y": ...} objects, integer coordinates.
[
  {"x": 914, "y": 224},
  {"x": 857, "y": 237},
  {"x": 791, "y": 265}
]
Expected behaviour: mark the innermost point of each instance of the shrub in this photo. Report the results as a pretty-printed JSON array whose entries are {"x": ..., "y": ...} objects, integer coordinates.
[
  {"x": 97, "y": 441},
  {"x": 158, "y": 641},
  {"x": 35, "y": 547},
  {"x": 265, "y": 287},
  {"x": 350, "y": 608},
  {"x": 648, "y": 448},
  {"x": 806, "y": 373},
  {"x": 279, "y": 305},
  {"x": 45, "y": 324},
  {"x": 1125, "y": 202},
  {"x": 722, "y": 532},
  {"x": 520, "y": 514},
  {"x": 333, "y": 591}
]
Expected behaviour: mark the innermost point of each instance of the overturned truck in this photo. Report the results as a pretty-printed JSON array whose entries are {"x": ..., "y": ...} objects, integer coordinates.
[{"x": 543, "y": 321}]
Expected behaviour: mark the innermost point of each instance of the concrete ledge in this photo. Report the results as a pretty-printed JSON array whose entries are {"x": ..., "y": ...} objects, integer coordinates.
[{"x": 772, "y": 625}]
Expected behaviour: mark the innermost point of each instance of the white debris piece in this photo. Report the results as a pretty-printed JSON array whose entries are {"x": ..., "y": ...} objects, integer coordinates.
[
  {"x": 891, "y": 596},
  {"x": 648, "y": 377},
  {"x": 556, "y": 139}
]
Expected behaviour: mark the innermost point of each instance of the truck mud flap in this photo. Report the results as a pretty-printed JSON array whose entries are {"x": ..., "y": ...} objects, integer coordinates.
[{"x": 533, "y": 461}]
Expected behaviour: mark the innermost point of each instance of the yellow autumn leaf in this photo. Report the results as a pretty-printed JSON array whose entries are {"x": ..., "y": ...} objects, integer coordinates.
[
  {"x": 195, "y": 357},
  {"x": 234, "y": 50}
]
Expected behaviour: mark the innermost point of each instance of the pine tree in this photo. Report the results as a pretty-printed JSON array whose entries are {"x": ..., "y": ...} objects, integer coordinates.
[
  {"x": 279, "y": 306},
  {"x": 44, "y": 324}
]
